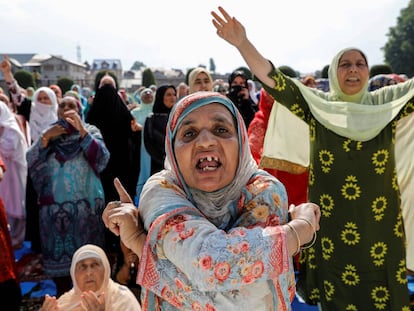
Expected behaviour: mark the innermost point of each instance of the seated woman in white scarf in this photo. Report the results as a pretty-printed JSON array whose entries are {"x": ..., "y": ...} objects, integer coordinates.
[{"x": 93, "y": 288}]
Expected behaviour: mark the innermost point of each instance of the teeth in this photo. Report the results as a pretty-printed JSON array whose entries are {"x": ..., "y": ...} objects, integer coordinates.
[
  {"x": 209, "y": 168},
  {"x": 209, "y": 158}
]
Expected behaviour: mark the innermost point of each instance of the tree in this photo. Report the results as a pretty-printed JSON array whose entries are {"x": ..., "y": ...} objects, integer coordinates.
[
  {"x": 246, "y": 71},
  {"x": 137, "y": 65},
  {"x": 324, "y": 73},
  {"x": 187, "y": 76},
  {"x": 148, "y": 77},
  {"x": 65, "y": 84},
  {"x": 24, "y": 78},
  {"x": 380, "y": 69},
  {"x": 399, "y": 50},
  {"x": 289, "y": 71},
  {"x": 212, "y": 66}
]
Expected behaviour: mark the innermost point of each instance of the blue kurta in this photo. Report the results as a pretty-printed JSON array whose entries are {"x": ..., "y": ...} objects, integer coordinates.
[{"x": 71, "y": 198}]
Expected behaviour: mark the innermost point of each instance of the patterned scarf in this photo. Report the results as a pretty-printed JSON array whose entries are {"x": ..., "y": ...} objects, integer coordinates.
[{"x": 218, "y": 206}]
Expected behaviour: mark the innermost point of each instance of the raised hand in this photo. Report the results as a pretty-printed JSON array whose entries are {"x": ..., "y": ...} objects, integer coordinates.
[
  {"x": 5, "y": 65},
  {"x": 92, "y": 302},
  {"x": 229, "y": 28},
  {"x": 232, "y": 31},
  {"x": 49, "y": 304},
  {"x": 73, "y": 118},
  {"x": 122, "y": 218},
  {"x": 52, "y": 132},
  {"x": 6, "y": 68}
]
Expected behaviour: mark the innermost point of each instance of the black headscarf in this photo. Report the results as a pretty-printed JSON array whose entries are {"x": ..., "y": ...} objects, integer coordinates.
[
  {"x": 159, "y": 106},
  {"x": 154, "y": 129},
  {"x": 108, "y": 112}
]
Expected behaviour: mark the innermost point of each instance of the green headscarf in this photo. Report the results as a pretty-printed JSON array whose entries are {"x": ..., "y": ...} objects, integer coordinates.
[{"x": 361, "y": 116}]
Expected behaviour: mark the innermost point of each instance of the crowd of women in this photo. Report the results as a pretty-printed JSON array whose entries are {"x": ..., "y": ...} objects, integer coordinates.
[{"x": 217, "y": 197}]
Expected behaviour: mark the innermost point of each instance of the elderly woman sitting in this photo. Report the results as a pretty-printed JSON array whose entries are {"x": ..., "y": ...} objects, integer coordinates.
[{"x": 92, "y": 287}]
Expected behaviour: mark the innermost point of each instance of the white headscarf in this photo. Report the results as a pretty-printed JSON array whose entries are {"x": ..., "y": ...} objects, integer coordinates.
[
  {"x": 117, "y": 297},
  {"x": 13, "y": 148},
  {"x": 41, "y": 115},
  {"x": 8, "y": 121},
  {"x": 193, "y": 76}
]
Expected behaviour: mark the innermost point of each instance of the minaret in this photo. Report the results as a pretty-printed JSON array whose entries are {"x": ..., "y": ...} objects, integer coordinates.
[{"x": 78, "y": 54}]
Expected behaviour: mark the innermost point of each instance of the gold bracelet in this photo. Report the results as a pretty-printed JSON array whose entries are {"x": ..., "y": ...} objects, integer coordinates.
[
  {"x": 307, "y": 221},
  {"x": 297, "y": 238},
  {"x": 312, "y": 242}
]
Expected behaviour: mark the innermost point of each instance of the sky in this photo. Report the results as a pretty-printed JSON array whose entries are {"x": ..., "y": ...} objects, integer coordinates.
[{"x": 304, "y": 35}]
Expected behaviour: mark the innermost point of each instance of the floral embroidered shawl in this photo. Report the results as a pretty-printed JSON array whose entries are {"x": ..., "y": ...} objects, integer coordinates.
[{"x": 226, "y": 255}]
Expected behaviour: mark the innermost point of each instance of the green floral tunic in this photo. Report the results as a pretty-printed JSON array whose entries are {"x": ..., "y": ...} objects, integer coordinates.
[{"x": 358, "y": 260}]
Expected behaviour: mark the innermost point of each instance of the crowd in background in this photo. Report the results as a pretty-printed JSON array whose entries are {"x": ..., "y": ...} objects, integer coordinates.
[{"x": 60, "y": 154}]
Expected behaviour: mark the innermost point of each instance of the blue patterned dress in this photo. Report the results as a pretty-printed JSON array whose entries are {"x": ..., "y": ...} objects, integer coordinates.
[{"x": 66, "y": 178}]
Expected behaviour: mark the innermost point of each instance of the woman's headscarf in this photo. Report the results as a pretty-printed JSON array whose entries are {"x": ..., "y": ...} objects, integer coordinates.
[
  {"x": 361, "y": 116},
  {"x": 110, "y": 114},
  {"x": 159, "y": 106},
  {"x": 85, "y": 252},
  {"x": 56, "y": 88},
  {"x": 218, "y": 206},
  {"x": 108, "y": 286},
  {"x": 252, "y": 91},
  {"x": 8, "y": 122},
  {"x": 67, "y": 147},
  {"x": 13, "y": 149},
  {"x": 41, "y": 115},
  {"x": 335, "y": 90},
  {"x": 193, "y": 76}
]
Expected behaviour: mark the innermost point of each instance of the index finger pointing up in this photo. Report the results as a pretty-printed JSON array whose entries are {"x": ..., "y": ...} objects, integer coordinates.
[{"x": 123, "y": 194}]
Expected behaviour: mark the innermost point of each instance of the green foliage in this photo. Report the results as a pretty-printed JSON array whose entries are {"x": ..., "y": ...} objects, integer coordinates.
[
  {"x": 399, "y": 50},
  {"x": 99, "y": 76},
  {"x": 187, "y": 75},
  {"x": 148, "y": 77},
  {"x": 25, "y": 78},
  {"x": 289, "y": 71},
  {"x": 137, "y": 65},
  {"x": 212, "y": 66},
  {"x": 246, "y": 71},
  {"x": 324, "y": 73},
  {"x": 379, "y": 69},
  {"x": 65, "y": 84}
]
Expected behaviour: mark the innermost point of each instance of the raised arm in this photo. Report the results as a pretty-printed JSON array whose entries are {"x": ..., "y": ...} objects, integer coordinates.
[
  {"x": 232, "y": 31},
  {"x": 5, "y": 67}
]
